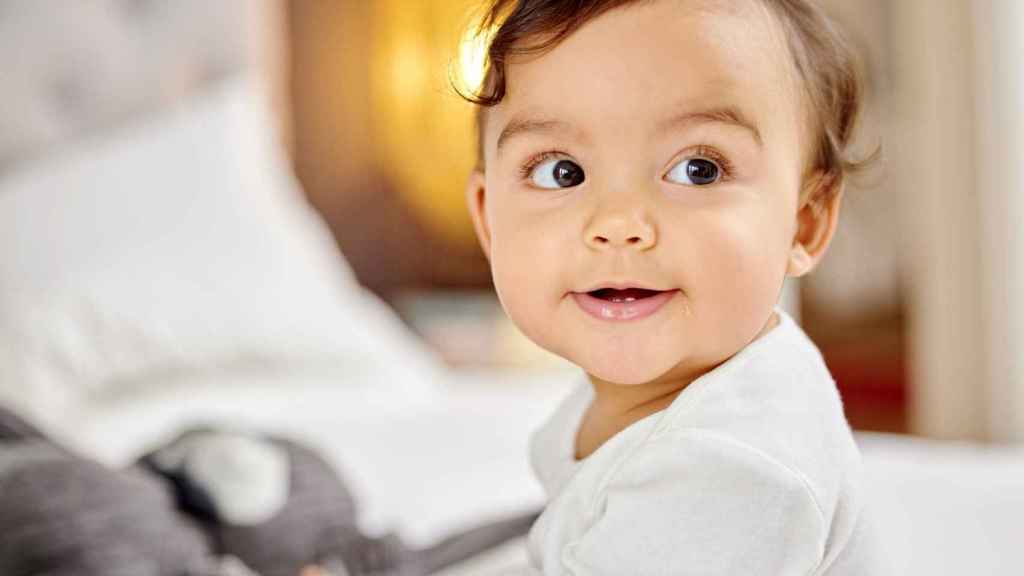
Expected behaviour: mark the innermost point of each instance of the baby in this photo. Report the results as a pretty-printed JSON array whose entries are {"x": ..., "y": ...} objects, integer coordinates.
[{"x": 650, "y": 172}]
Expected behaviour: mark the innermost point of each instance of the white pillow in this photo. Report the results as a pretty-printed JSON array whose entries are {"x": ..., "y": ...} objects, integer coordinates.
[{"x": 178, "y": 246}]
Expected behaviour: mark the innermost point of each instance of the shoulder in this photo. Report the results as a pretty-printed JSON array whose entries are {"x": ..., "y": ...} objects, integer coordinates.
[
  {"x": 703, "y": 498},
  {"x": 778, "y": 402},
  {"x": 705, "y": 466}
]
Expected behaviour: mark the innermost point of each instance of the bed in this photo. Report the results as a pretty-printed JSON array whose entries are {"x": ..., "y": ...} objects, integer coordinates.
[{"x": 160, "y": 267}]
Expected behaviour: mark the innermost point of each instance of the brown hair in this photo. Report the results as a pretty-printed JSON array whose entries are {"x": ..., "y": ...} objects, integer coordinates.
[{"x": 823, "y": 58}]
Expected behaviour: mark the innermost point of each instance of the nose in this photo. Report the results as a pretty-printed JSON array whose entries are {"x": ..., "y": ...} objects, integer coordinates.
[{"x": 630, "y": 230}]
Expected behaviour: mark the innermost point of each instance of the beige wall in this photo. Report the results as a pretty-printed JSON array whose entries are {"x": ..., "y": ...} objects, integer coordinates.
[
  {"x": 999, "y": 114},
  {"x": 933, "y": 163},
  {"x": 939, "y": 230},
  {"x": 956, "y": 149}
]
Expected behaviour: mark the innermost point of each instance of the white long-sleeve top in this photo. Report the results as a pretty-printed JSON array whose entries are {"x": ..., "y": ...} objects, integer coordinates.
[{"x": 752, "y": 470}]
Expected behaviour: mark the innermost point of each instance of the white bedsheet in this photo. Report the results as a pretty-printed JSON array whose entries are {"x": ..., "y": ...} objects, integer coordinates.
[
  {"x": 423, "y": 468},
  {"x": 428, "y": 468},
  {"x": 947, "y": 508}
]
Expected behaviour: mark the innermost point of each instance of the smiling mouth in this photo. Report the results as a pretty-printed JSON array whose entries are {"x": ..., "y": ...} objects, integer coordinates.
[
  {"x": 622, "y": 304},
  {"x": 623, "y": 296}
]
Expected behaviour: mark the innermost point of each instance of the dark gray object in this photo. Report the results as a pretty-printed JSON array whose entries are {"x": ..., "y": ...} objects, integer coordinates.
[{"x": 177, "y": 513}]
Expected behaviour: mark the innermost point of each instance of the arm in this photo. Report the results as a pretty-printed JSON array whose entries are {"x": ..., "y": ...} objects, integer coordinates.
[{"x": 698, "y": 503}]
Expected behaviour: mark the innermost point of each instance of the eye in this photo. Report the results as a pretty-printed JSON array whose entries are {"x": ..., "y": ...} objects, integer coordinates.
[
  {"x": 695, "y": 172},
  {"x": 556, "y": 173}
]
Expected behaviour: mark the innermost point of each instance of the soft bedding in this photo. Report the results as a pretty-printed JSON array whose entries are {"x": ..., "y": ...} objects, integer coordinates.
[
  {"x": 178, "y": 247},
  {"x": 425, "y": 473},
  {"x": 211, "y": 500},
  {"x": 423, "y": 470}
]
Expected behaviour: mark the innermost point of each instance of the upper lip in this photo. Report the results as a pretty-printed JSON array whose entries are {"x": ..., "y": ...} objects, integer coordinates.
[{"x": 621, "y": 286}]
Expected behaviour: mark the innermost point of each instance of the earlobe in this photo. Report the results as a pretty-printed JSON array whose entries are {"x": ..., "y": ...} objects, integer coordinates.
[
  {"x": 816, "y": 220},
  {"x": 476, "y": 200}
]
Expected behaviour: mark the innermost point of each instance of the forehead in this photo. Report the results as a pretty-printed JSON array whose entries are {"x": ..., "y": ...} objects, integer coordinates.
[{"x": 633, "y": 66}]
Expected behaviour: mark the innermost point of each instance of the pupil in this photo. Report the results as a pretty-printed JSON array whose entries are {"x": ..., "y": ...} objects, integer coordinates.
[
  {"x": 702, "y": 171},
  {"x": 568, "y": 174}
]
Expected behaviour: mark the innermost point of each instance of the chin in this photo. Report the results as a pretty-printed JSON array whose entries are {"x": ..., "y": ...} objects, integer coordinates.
[
  {"x": 624, "y": 371},
  {"x": 626, "y": 361}
]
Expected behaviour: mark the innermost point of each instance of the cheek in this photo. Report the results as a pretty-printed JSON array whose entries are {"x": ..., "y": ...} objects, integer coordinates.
[
  {"x": 525, "y": 254},
  {"x": 741, "y": 268}
]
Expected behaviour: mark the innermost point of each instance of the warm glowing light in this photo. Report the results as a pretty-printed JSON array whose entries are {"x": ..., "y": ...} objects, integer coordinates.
[
  {"x": 409, "y": 69},
  {"x": 473, "y": 59},
  {"x": 424, "y": 135}
]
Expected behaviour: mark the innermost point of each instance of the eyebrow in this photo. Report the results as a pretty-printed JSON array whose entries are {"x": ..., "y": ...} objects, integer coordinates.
[
  {"x": 729, "y": 115},
  {"x": 521, "y": 126}
]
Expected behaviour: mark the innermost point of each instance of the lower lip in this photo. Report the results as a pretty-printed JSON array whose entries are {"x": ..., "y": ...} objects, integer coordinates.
[{"x": 622, "y": 311}]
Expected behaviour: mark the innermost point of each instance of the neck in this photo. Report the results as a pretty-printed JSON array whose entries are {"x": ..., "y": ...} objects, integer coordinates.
[{"x": 629, "y": 403}]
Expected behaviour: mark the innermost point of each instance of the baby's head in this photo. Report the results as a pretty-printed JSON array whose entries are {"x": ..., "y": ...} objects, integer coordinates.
[{"x": 651, "y": 171}]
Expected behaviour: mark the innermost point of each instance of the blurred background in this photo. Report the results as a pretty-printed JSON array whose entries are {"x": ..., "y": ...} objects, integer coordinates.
[{"x": 915, "y": 309}]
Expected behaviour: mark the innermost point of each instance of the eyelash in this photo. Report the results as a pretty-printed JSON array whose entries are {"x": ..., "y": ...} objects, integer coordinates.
[
  {"x": 702, "y": 151},
  {"x": 709, "y": 153},
  {"x": 537, "y": 160}
]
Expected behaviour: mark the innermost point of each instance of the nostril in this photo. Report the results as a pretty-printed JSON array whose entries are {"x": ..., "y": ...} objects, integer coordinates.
[
  {"x": 634, "y": 240},
  {"x": 600, "y": 239}
]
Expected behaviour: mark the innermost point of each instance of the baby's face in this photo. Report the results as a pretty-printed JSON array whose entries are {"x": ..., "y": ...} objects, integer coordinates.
[{"x": 659, "y": 149}]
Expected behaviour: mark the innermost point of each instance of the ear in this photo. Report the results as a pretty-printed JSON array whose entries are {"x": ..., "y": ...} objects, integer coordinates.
[
  {"x": 816, "y": 221},
  {"x": 476, "y": 198}
]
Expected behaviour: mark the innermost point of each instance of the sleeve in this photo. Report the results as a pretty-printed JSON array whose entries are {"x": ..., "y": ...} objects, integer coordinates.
[{"x": 700, "y": 504}]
